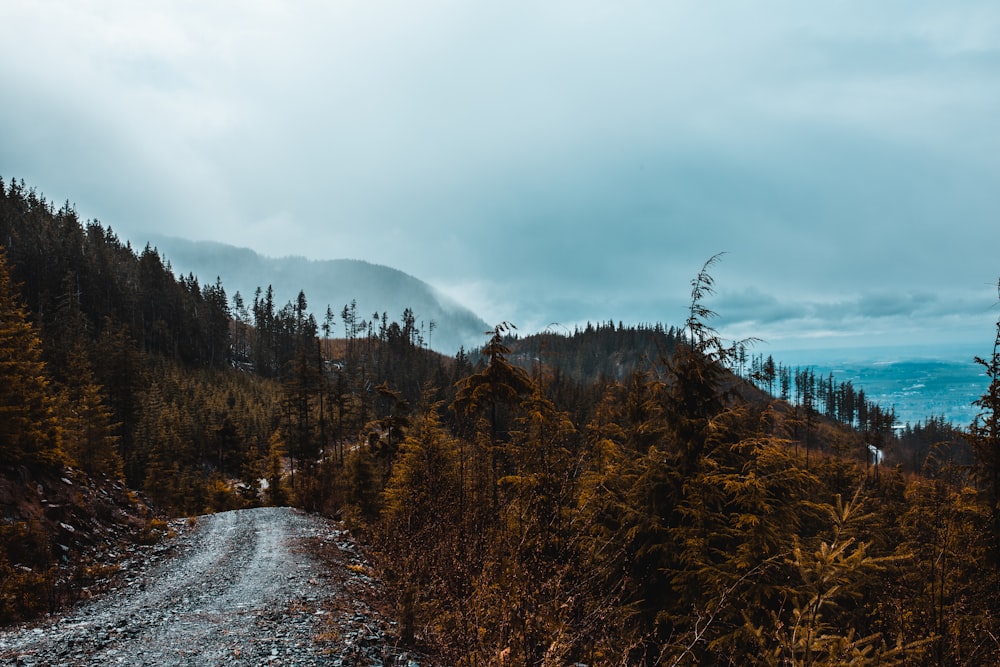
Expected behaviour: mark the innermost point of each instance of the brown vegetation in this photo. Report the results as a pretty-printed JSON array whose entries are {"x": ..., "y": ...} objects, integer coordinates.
[{"x": 619, "y": 496}]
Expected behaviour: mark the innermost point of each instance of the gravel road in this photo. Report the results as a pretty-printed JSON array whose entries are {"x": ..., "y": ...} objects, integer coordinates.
[{"x": 268, "y": 586}]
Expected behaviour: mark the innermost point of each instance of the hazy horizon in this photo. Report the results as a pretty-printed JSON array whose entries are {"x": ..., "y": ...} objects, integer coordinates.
[
  {"x": 811, "y": 350},
  {"x": 566, "y": 162}
]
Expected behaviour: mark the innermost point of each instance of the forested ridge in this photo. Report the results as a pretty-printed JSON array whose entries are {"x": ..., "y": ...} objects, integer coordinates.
[{"x": 615, "y": 495}]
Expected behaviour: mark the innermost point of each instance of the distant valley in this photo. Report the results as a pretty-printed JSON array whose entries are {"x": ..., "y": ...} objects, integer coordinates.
[
  {"x": 334, "y": 283},
  {"x": 918, "y": 382}
]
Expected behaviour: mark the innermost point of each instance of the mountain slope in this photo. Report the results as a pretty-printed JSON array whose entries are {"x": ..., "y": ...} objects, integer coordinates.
[{"x": 334, "y": 283}]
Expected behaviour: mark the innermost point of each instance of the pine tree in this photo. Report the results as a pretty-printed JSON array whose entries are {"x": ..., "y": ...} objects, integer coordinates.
[
  {"x": 941, "y": 591},
  {"x": 536, "y": 534},
  {"x": 29, "y": 432},
  {"x": 424, "y": 478},
  {"x": 89, "y": 436},
  {"x": 485, "y": 403},
  {"x": 695, "y": 374},
  {"x": 984, "y": 436},
  {"x": 420, "y": 523},
  {"x": 809, "y": 631},
  {"x": 501, "y": 384},
  {"x": 362, "y": 488},
  {"x": 154, "y": 458},
  {"x": 276, "y": 495}
]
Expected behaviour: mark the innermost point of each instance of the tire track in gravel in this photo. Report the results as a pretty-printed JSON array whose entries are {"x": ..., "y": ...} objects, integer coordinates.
[{"x": 239, "y": 594}]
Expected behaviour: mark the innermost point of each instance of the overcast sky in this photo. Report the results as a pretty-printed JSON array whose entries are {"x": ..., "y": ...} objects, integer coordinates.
[{"x": 557, "y": 161}]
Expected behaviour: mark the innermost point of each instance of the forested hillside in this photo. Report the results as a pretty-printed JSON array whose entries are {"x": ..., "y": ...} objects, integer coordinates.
[
  {"x": 443, "y": 324},
  {"x": 618, "y": 495}
]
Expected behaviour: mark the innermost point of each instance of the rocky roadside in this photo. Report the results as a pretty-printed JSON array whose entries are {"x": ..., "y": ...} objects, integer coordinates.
[
  {"x": 71, "y": 529},
  {"x": 267, "y": 586}
]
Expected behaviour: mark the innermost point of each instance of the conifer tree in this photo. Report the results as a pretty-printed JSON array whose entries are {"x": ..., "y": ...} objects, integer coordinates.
[
  {"x": 276, "y": 494},
  {"x": 122, "y": 373},
  {"x": 809, "y": 632},
  {"x": 536, "y": 534},
  {"x": 984, "y": 436},
  {"x": 485, "y": 403},
  {"x": 941, "y": 592},
  {"x": 362, "y": 488},
  {"x": 498, "y": 385},
  {"x": 29, "y": 432},
  {"x": 89, "y": 436},
  {"x": 696, "y": 371},
  {"x": 158, "y": 456},
  {"x": 392, "y": 425},
  {"x": 424, "y": 478},
  {"x": 420, "y": 523}
]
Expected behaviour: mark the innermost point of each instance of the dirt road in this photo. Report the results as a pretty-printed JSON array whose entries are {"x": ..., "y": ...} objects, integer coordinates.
[{"x": 246, "y": 588}]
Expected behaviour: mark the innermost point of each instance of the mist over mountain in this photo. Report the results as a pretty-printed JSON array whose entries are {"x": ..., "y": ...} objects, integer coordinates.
[{"x": 335, "y": 283}]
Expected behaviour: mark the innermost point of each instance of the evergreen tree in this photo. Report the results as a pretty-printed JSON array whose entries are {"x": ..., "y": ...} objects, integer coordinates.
[
  {"x": 768, "y": 374},
  {"x": 536, "y": 536},
  {"x": 695, "y": 374},
  {"x": 89, "y": 437},
  {"x": 940, "y": 592},
  {"x": 485, "y": 403},
  {"x": 807, "y": 632},
  {"x": 392, "y": 425},
  {"x": 424, "y": 478},
  {"x": 984, "y": 436},
  {"x": 29, "y": 431},
  {"x": 500, "y": 384},
  {"x": 276, "y": 494},
  {"x": 362, "y": 488}
]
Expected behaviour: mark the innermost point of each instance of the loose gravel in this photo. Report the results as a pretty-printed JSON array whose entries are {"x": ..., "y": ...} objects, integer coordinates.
[{"x": 267, "y": 586}]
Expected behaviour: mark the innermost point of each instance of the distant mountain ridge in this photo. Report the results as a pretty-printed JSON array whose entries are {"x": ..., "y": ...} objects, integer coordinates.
[{"x": 334, "y": 282}]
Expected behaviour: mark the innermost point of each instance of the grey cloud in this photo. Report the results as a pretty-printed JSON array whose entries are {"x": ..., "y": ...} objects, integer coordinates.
[
  {"x": 752, "y": 305},
  {"x": 563, "y": 162}
]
